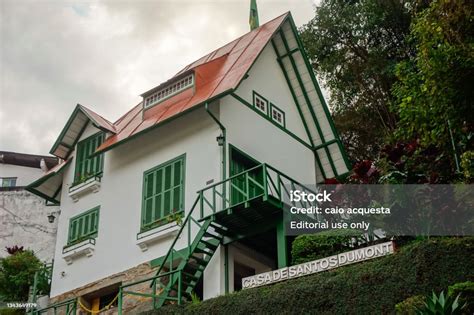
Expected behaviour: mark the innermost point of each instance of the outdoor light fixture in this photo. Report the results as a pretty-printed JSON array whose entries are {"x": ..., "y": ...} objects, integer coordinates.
[
  {"x": 220, "y": 140},
  {"x": 51, "y": 218}
]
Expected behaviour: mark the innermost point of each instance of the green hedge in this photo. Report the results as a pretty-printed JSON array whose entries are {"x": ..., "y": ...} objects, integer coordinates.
[
  {"x": 373, "y": 287},
  {"x": 310, "y": 247}
]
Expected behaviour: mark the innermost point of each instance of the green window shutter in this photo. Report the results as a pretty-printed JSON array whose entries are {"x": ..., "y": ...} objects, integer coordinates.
[
  {"x": 84, "y": 226},
  {"x": 86, "y": 165},
  {"x": 163, "y": 192}
]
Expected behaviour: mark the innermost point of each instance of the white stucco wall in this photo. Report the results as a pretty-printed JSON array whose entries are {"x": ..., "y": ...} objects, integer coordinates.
[
  {"x": 120, "y": 196},
  {"x": 23, "y": 216},
  {"x": 259, "y": 137},
  {"x": 24, "y": 222},
  {"x": 25, "y": 175}
]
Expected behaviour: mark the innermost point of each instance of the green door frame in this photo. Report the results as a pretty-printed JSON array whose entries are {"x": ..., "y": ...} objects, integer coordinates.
[{"x": 282, "y": 251}]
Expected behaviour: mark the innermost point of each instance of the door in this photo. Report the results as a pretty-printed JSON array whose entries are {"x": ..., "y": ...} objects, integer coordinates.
[{"x": 240, "y": 162}]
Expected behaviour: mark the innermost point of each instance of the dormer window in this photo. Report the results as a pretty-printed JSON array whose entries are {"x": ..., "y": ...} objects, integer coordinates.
[{"x": 168, "y": 91}]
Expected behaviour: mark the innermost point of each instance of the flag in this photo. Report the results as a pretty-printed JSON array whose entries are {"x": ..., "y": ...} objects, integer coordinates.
[{"x": 253, "y": 19}]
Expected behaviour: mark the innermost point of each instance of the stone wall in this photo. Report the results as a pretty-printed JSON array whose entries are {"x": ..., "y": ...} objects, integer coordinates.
[
  {"x": 24, "y": 222},
  {"x": 131, "y": 304}
]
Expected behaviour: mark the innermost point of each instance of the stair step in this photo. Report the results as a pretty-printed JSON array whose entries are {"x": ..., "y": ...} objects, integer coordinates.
[
  {"x": 199, "y": 261},
  {"x": 216, "y": 236},
  {"x": 209, "y": 244},
  {"x": 209, "y": 251},
  {"x": 192, "y": 276},
  {"x": 220, "y": 229}
]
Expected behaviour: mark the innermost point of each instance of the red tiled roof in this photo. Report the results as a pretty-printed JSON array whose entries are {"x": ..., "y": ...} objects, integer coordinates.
[{"x": 216, "y": 73}]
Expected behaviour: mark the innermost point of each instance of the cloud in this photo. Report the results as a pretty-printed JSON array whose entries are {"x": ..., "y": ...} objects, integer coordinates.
[{"x": 103, "y": 54}]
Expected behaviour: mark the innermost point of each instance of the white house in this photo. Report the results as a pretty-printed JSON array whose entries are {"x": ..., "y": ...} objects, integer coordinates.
[
  {"x": 189, "y": 183},
  {"x": 24, "y": 216}
]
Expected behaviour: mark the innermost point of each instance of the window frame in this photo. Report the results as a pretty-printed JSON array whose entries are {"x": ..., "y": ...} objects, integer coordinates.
[
  {"x": 280, "y": 111},
  {"x": 146, "y": 226},
  {"x": 255, "y": 95},
  {"x": 91, "y": 234},
  {"x": 9, "y": 179},
  {"x": 78, "y": 176},
  {"x": 169, "y": 91}
]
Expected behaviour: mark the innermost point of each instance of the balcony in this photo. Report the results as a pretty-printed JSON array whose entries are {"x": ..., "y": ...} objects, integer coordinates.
[
  {"x": 74, "y": 251},
  {"x": 91, "y": 184}
]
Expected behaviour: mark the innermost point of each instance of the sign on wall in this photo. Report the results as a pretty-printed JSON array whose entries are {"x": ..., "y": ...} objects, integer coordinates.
[{"x": 318, "y": 265}]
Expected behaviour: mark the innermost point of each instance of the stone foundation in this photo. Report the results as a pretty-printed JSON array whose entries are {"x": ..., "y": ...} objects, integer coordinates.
[{"x": 132, "y": 304}]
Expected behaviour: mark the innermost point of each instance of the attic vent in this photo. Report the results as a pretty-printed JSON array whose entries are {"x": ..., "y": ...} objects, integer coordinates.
[{"x": 169, "y": 91}]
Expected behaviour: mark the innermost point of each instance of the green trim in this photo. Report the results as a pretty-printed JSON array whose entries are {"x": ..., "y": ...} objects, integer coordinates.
[
  {"x": 64, "y": 130},
  {"x": 42, "y": 195},
  {"x": 240, "y": 99},
  {"x": 197, "y": 106},
  {"x": 81, "y": 237},
  {"x": 308, "y": 102},
  {"x": 31, "y": 187},
  {"x": 59, "y": 142},
  {"x": 282, "y": 250},
  {"x": 160, "y": 221},
  {"x": 96, "y": 159},
  {"x": 298, "y": 106},
  {"x": 267, "y": 106},
  {"x": 281, "y": 112},
  {"x": 232, "y": 149},
  {"x": 291, "y": 52},
  {"x": 320, "y": 94},
  {"x": 159, "y": 261}
]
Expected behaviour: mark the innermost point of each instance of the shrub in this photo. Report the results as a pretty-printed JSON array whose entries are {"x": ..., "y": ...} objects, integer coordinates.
[
  {"x": 310, "y": 247},
  {"x": 466, "y": 290},
  {"x": 372, "y": 287},
  {"x": 409, "y": 306},
  {"x": 440, "y": 305},
  {"x": 17, "y": 273}
]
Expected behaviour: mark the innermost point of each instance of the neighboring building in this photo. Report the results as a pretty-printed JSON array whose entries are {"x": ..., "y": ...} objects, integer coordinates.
[
  {"x": 24, "y": 216},
  {"x": 155, "y": 179}
]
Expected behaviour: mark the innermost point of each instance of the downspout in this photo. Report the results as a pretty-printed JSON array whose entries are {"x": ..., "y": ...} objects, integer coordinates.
[
  {"x": 223, "y": 130},
  {"x": 224, "y": 166}
]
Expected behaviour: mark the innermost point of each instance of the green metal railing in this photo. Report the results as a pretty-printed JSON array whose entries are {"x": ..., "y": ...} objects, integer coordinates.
[
  {"x": 260, "y": 182},
  {"x": 168, "y": 269},
  {"x": 67, "y": 307}
]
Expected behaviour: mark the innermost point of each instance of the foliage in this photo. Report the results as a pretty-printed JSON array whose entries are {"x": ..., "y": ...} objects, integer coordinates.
[
  {"x": 17, "y": 274},
  {"x": 440, "y": 305},
  {"x": 309, "y": 247},
  {"x": 372, "y": 287},
  {"x": 355, "y": 47},
  {"x": 14, "y": 249},
  {"x": 410, "y": 305},
  {"x": 195, "y": 298},
  {"x": 467, "y": 166},
  {"x": 466, "y": 290},
  {"x": 434, "y": 93}
]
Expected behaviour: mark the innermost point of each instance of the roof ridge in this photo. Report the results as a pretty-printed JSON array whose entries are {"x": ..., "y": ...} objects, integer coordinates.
[{"x": 213, "y": 52}]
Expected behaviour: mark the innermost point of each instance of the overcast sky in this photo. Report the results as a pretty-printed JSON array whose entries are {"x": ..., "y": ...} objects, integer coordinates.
[{"x": 103, "y": 54}]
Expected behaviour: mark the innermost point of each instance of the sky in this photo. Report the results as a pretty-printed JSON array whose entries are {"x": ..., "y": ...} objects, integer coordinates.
[{"x": 103, "y": 54}]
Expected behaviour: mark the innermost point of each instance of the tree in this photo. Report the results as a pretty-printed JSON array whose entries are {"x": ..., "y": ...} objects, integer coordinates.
[
  {"x": 17, "y": 273},
  {"x": 434, "y": 94},
  {"x": 354, "y": 46}
]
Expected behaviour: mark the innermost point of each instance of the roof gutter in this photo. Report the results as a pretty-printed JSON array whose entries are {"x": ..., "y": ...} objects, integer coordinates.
[{"x": 224, "y": 145}]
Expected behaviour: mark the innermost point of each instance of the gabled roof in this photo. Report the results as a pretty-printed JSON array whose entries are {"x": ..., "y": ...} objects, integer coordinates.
[
  {"x": 74, "y": 127},
  {"x": 49, "y": 185},
  {"x": 215, "y": 74}
]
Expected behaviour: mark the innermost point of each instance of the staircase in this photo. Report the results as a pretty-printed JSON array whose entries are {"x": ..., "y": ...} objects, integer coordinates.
[{"x": 226, "y": 210}]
